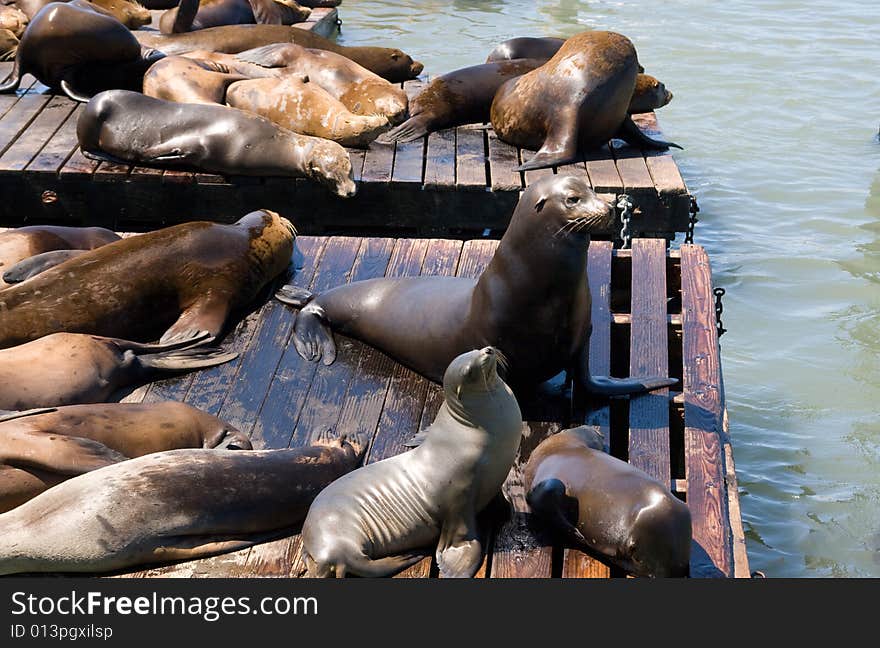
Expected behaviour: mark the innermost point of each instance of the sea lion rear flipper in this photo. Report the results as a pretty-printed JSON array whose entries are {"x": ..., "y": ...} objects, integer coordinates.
[
  {"x": 192, "y": 547},
  {"x": 459, "y": 552},
  {"x": 56, "y": 453},
  {"x": 38, "y": 263},
  {"x": 268, "y": 56},
  {"x": 412, "y": 129},
  {"x": 206, "y": 314},
  {"x": 100, "y": 156},
  {"x": 294, "y": 295},
  {"x": 186, "y": 359},
  {"x": 7, "y": 415},
  {"x": 608, "y": 386},
  {"x": 74, "y": 94},
  {"x": 312, "y": 336},
  {"x": 633, "y": 135},
  {"x": 560, "y": 145}
]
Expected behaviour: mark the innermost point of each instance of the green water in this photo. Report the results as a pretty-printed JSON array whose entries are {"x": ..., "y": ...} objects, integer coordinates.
[{"x": 777, "y": 105}]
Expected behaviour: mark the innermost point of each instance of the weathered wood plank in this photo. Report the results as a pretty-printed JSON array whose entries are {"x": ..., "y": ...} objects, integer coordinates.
[
  {"x": 59, "y": 147},
  {"x": 408, "y": 158},
  {"x": 661, "y": 165},
  {"x": 470, "y": 158},
  {"x": 649, "y": 413},
  {"x": 38, "y": 133},
  {"x": 711, "y": 553},
  {"x": 378, "y": 163},
  {"x": 603, "y": 172},
  {"x": 19, "y": 116},
  {"x": 440, "y": 160},
  {"x": 503, "y": 159},
  {"x": 531, "y": 177}
]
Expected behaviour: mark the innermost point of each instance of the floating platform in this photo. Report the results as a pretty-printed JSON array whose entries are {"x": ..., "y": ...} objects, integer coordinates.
[
  {"x": 457, "y": 183},
  {"x": 653, "y": 314}
]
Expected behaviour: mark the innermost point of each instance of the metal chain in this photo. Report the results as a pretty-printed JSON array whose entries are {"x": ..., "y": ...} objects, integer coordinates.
[
  {"x": 624, "y": 204},
  {"x": 692, "y": 220},
  {"x": 719, "y": 309}
]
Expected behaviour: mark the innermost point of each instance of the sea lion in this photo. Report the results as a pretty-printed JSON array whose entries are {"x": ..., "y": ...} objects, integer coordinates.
[
  {"x": 389, "y": 63},
  {"x": 361, "y": 91},
  {"x": 190, "y": 80},
  {"x": 71, "y": 368},
  {"x": 525, "y": 48},
  {"x": 130, "y": 127},
  {"x": 14, "y": 20},
  {"x": 607, "y": 506},
  {"x": 8, "y": 45},
  {"x": 42, "y": 448},
  {"x": 131, "y": 14},
  {"x": 379, "y": 519},
  {"x": 191, "y": 15},
  {"x": 173, "y": 505},
  {"x": 79, "y": 50},
  {"x": 532, "y": 302},
  {"x": 296, "y": 103},
  {"x": 24, "y": 242},
  {"x": 575, "y": 102},
  {"x": 188, "y": 277}
]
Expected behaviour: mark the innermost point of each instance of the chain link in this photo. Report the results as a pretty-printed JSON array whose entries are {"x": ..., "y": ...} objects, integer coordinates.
[
  {"x": 692, "y": 220},
  {"x": 719, "y": 309},
  {"x": 624, "y": 204}
]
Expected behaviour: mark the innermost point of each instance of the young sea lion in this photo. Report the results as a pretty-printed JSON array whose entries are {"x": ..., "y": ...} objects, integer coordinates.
[
  {"x": 381, "y": 518},
  {"x": 574, "y": 103},
  {"x": 389, "y": 63},
  {"x": 294, "y": 102},
  {"x": 184, "y": 280},
  {"x": 191, "y": 15},
  {"x": 532, "y": 302},
  {"x": 71, "y": 368},
  {"x": 136, "y": 129},
  {"x": 607, "y": 506},
  {"x": 174, "y": 505},
  {"x": 42, "y": 448}
]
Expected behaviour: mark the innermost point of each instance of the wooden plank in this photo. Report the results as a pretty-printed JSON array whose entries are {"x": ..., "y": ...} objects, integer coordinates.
[
  {"x": 408, "y": 159},
  {"x": 577, "y": 564},
  {"x": 56, "y": 151},
  {"x": 532, "y": 176},
  {"x": 19, "y": 116},
  {"x": 661, "y": 165},
  {"x": 357, "y": 163},
  {"x": 111, "y": 172},
  {"x": 470, "y": 158},
  {"x": 40, "y": 131},
  {"x": 440, "y": 160},
  {"x": 649, "y": 356},
  {"x": 503, "y": 159},
  {"x": 711, "y": 553},
  {"x": 378, "y": 163},
  {"x": 577, "y": 169},
  {"x": 603, "y": 172},
  {"x": 78, "y": 166}
]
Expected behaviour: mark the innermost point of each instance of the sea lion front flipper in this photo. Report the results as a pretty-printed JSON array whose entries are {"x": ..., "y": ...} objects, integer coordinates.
[
  {"x": 560, "y": 145},
  {"x": 32, "y": 266},
  {"x": 192, "y": 547},
  {"x": 186, "y": 359},
  {"x": 294, "y": 295},
  {"x": 73, "y": 93},
  {"x": 206, "y": 314},
  {"x": 312, "y": 336},
  {"x": 417, "y": 439},
  {"x": 459, "y": 552},
  {"x": 55, "y": 453},
  {"x": 633, "y": 135}
]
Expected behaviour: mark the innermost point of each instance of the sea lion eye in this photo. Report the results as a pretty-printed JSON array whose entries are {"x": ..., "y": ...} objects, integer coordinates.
[
  {"x": 395, "y": 56},
  {"x": 572, "y": 200}
]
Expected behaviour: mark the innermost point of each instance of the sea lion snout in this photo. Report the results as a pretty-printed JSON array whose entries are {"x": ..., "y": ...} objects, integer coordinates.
[
  {"x": 233, "y": 439},
  {"x": 416, "y": 68}
]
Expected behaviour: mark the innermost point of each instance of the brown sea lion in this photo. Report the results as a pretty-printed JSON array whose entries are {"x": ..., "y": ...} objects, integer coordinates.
[
  {"x": 174, "y": 505},
  {"x": 14, "y": 20},
  {"x": 79, "y": 51},
  {"x": 296, "y": 103},
  {"x": 8, "y": 45},
  {"x": 184, "y": 280},
  {"x": 73, "y": 368},
  {"x": 190, "y": 80},
  {"x": 532, "y": 302},
  {"x": 136, "y": 129},
  {"x": 383, "y": 517},
  {"x": 650, "y": 93},
  {"x": 191, "y": 15},
  {"x": 24, "y": 242},
  {"x": 525, "y": 48},
  {"x": 130, "y": 13},
  {"x": 576, "y": 102},
  {"x": 608, "y": 507},
  {"x": 389, "y": 63},
  {"x": 42, "y": 448},
  {"x": 361, "y": 91}
]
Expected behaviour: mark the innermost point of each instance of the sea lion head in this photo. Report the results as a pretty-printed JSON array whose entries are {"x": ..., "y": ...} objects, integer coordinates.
[
  {"x": 129, "y": 12},
  {"x": 401, "y": 66},
  {"x": 227, "y": 437},
  {"x": 472, "y": 379},
  {"x": 8, "y": 45},
  {"x": 329, "y": 164},
  {"x": 659, "y": 540},
  {"x": 13, "y": 19},
  {"x": 567, "y": 207},
  {"x": 272, "y": 239},
  {"x": 649, "y": 94}
]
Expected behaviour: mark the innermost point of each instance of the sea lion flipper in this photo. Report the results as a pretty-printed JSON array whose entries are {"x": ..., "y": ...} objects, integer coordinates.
[
  {"x": 312, "y": 337},
  {"x": 294, "y": 295},
  {"x": 187, "y": 359},
  {"x": 71, "y": 92},
  {"x": 192, "y": 547},
  {"x": 268, "y": 56},
  {"x": 412, "y": 129},
  {"x": 206, "y": 314},
  {"x": 67, "y": 455},
  {"x": 560, "y": 145},
  {"x": 38, "y": 263},
  {"x": 459, "y": 551},
  {"x": 633, "y": 135},
  {"x": 417, "y": 439},
  {"x": 11, "y": 83},
  {"x": 608, "y": 386}
]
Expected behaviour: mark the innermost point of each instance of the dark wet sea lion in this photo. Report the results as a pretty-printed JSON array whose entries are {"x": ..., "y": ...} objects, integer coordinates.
[
  {"x": 79, "y": 51},
  {"x": 72, "y": 368},
  {"x": 532, "y": 302},
  {"x": 389, "y": 63},
  {"x": 174, "y": 505},
  {"x": 381, "y": 518},
  {"x": 188, "y": 277},
  {"x": 525, "y": 47},
  {"x": 295, "y": 102},
  {"x": 361, "y": 91},
  {"x": 131, "y": 14},
  {"x": 24, "y": 242},
  {"x": 607, "y": 506},
  {"x": 133, "y": 128},
  {"x": 191, "y": 15},
  {"x": 43, "y": 448},
  {"x": 572, "y": 104}
]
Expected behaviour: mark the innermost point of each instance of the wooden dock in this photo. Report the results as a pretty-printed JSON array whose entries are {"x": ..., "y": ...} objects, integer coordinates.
[
  {"x": 653, "y": 313},
  {"x": 457, "y": 183}
]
